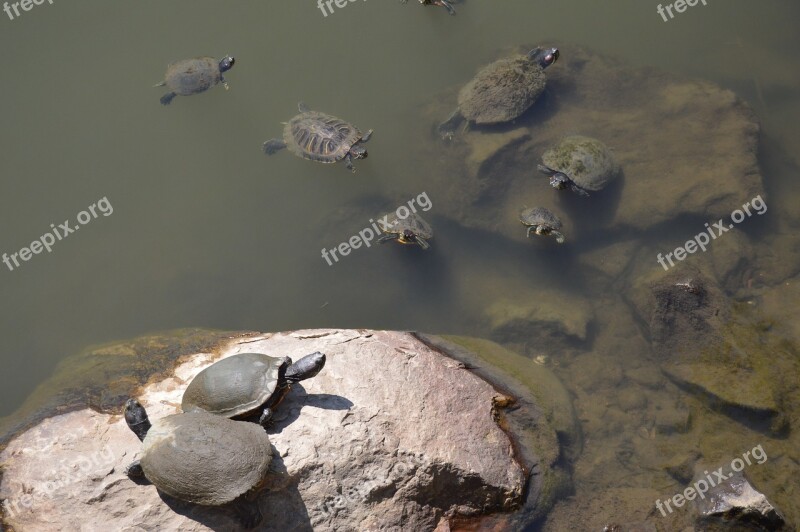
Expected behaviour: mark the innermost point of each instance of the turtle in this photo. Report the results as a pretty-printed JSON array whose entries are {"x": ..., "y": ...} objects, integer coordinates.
[
  {"x": 192, "y": 76},
  {"x": 542, "y": 222},
  {"x": 409, "y": 230},
  {"x": 502, "y": 91},
  {"x": 582, "y": 164},
  {"x": 198, "y": 457},
  {"x": 244, "y": 384},
  {"x": 321, "y": 137},
  {"x": 447, "y": 4}
]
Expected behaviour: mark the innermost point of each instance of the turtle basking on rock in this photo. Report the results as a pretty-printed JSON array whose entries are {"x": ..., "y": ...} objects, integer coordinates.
[
  {"x": 198, "y": 457},
  {"x": 192, "y": 76},
  {"x": 542, "y": 222},
  {"x": 582, "y": 164},
  {"x": 502, "y": 91},
  {"x": 409, "y": 230},
  {"x": 248, "y": 383},
  {"x": 321, "y": 137}
]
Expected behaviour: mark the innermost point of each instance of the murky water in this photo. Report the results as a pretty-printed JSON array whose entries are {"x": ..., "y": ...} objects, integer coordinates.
[{"x": 206, "y": 231}]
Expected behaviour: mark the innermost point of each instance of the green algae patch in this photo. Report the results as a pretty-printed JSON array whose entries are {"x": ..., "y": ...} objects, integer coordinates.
[{"x": 102, "y": 377}]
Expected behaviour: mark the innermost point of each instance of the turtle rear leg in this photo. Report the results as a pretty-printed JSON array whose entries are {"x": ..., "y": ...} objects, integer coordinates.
[
  {"x": 134, "y": 471},
  {"x": 449, "y": 127},
  {"x": 167, "y": 98},
  {"x": 274, "y": 146},
  {"x": 445, "y": 4}
]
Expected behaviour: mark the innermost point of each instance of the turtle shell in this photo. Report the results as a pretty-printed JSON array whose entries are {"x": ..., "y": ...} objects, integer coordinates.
[
  {"x": 587, "y": 161},
  {"x": 205, "y": 459},
  {"x": 236, "y": 385},
  {"x": 394, "y": 225},
  {"x": 540, "y": 217},
  {"x": 320, "y": 137},
  {"x": 191, "y": 76},
  {"x": 502, "y": 91}
]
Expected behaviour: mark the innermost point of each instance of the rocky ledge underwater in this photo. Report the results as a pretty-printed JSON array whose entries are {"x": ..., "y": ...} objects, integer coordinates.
[{"x": 562, "y": 409}]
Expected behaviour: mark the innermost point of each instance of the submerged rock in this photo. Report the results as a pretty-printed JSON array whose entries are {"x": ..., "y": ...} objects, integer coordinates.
[
  {"x": 391, "y": 433},
  {"x": 735, "y": 505}
]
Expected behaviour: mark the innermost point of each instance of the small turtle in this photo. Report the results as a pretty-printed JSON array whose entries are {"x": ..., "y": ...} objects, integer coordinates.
[
  {"x": 244, "y": 384},
  {"x": 502, "y": 91},
  {"x": 409, "y": 230},
  {"x": 542, "y": 222},
  {"x": 320, "y": 137},
  {"x": 447, "y": 4},
  {"x": 582, "y": 164},
  {"x": 198, "y": 457},
  {"x": 192, "y": 76}
]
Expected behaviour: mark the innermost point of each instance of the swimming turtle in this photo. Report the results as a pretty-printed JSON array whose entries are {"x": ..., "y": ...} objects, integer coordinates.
[
  {"x": 447, "y": 4},
  {"x": 198, "y": 457},
  {"x": 321, "y": 137},
  {"x": 582, "y": 164},
  {"x": 192, "y": 76},
  {"x": 243, "y": 384},
  {"x": 542, "y": 222},
  {"x": 409, "y": 230},
  {"x": 501, "y": 91}
]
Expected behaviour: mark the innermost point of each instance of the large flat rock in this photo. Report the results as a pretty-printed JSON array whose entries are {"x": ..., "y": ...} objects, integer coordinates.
[{"x": 391, "y": 433}]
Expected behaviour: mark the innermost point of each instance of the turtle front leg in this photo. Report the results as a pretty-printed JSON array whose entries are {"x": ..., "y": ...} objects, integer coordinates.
[
  {"x": 266, "y": 418},
  {"x": 445, "y": 4},
  {"x": 273, "y": 146},
  {"x": 422, "y": 243},
  {"x": 224, "y": 83},
  {"x": 448, "y": 128},
  {"x": 366, "y": 137},
  {"x": 530, "y": 228},
  {"x": 348, "y": 162},
  {"x": 559, "y": 236}
]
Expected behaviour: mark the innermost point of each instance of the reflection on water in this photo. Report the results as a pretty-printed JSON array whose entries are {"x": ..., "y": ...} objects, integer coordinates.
[{"x": 209, "y": 232}]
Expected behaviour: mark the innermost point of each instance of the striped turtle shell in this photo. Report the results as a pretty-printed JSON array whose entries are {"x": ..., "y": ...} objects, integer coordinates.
[{"x": 320, "y": 137}]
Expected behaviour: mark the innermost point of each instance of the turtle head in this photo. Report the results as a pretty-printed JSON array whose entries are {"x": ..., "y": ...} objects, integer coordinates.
[
  {"x": 560, "y": 180},
  {"x": 226, "y": 63},
  {"x": 306, "y": 367},
  {"x": 408, "y": 237},
  {"x": 359, "y": 151},
  {"x": 544, "y": 56},
  {"x": 136, "y": 418}
]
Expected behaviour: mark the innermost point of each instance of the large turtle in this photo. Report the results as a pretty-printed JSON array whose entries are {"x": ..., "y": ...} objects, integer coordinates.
[
  {"x": 582, "y": 164},
  {"x": 198, "y": 457},
  {"x": 542, "y": 222},
  {"x": 502, "y": 91},
  {"x": 321, "y": 137},
  {"x": 191, "y": 76},
  {"x": 447, "y": 4},
  {"x": 409, "y": 230},
  {"x": 244, "y": 384}
]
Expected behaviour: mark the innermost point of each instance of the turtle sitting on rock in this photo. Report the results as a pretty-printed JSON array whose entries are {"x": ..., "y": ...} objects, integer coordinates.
[
  {"x": 447, "y": 4},
  {"x": 242, "y": 385},
  {"x": 322, "y": 138},
  {"x": 542, "y": 222},
  {"x": 582, "y": 164},
  {"x": 192, "y": 76},
  {"x": 502, "y": 91},
  {"x": 198, "y": 457},
  {"x": 409, "y": 230}
]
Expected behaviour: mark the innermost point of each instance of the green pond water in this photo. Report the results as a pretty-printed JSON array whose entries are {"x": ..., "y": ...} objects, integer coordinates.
[{"x": 208, "y": 232}]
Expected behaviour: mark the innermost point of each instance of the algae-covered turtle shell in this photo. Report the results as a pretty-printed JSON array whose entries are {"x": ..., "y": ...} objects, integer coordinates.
[
  {"x": 582, "y": 162},
  {"x": 192, "y": 76},
  {"x": 542, "y": 222},
  {"x": 412, "y": 229},
  {"x": 205, "y": 459},
  {"x": 502, "y": 91}
]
